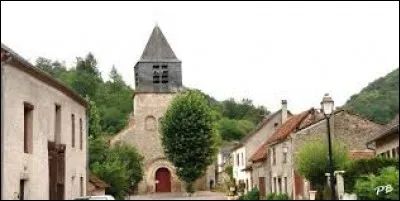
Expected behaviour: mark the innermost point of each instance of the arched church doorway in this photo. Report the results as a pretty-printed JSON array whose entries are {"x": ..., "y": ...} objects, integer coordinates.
[{"x": 163, "y": 180}]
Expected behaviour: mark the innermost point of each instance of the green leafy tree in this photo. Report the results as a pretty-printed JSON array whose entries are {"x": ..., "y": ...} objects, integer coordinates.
[
  {"x": 231, "y": 129},
  {"x": 379, "y": 101},
  {"x": 312, "y": 160},
  {"x": 355, "y": 169},
  {"x": 366, "y": 188},
  {"x": 94, "y": 120},
  {"x": 119, "y": 166},
  {"x": 189, "y": 136}
]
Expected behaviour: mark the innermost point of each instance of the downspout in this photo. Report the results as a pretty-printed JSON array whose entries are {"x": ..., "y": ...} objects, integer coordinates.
[
  {"x": 5, "y": 57},
  {"x": 87, "y": 146}
]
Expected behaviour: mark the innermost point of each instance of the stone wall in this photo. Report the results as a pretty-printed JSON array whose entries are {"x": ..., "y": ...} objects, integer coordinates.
[
  {"x": 351, "y": 130},
  {"x": 20, "y": 87}
]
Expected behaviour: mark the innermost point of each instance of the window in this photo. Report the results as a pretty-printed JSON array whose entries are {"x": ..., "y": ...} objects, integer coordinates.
[
  {"x": 275, "y": 187},
  {"x": 57, "y": 126},
  {"x": 73, "y": 129},
  {"x": 150, "y": 123},
  {"x": 397, "y": 151},
  {"x": 28, "y": 127},
  {"x": 80, "y": 134},
  {"x": 237, "y": 159},
  {"x": 388, "y": 154},
  {"x": 280, "y": 184},
  {"x": 393, "y": 153},
  {"x": 164, "y": 76},
  {"x": 156, "y": 74},
  {"x": 136, "y": 79},
  {"x": 21, "y": 189},
  {"x": 273, "y": 156},
  {"x": 285, "y": 150},
  {"x": 276, "y": 124},
  {"x": 285, "y": 180},
  {"x": 81, "y": 185}
]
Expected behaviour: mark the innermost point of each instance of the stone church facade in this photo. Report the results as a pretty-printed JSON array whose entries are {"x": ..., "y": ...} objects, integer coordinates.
[{"x": 158, "y": 77}]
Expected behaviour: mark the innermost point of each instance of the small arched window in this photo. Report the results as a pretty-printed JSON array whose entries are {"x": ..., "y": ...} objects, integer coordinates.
[{"x": 150, "y": 123}]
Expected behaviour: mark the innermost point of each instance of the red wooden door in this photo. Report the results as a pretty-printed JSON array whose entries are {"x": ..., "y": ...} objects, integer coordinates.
[{"x": 163, "y": 177}]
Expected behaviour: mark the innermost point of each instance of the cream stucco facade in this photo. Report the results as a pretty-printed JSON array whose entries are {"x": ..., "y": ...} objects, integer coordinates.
[{"x": 33, "y": 168}]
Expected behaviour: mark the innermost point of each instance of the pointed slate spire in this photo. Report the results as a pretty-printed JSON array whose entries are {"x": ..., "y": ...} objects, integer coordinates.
[{"x": 157, "y": 48}]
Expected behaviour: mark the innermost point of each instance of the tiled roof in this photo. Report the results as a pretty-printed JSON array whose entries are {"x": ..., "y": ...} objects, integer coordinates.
[
  {"x": 261, "y": 153},
  {"x": 289, "y": 126},
  {"x": 97, "y": 182},
  {"x": 388, "y": 131},
  {"x": 360, "y": 154}
]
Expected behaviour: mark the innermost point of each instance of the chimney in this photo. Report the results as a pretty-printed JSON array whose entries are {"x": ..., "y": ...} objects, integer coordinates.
[{"x": 284, "y": 111}]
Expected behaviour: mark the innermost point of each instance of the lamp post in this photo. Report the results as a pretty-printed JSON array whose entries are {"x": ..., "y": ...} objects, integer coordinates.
[{"x": 327, "y": 106}]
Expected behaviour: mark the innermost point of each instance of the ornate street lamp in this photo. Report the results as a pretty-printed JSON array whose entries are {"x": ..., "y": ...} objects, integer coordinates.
[{"x": 327, "y": 106}]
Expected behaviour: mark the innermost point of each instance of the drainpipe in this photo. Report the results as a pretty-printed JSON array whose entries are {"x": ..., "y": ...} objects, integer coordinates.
[
  {"x": 87, "y": 147},
  {"x": 5, "y": 57}
]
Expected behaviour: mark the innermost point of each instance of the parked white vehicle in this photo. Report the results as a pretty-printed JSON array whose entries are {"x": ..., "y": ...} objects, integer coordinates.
[{"x": 99, "y": 197}]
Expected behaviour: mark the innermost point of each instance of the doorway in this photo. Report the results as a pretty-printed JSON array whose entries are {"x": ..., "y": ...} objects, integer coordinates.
[
  {"x": 261, "y": 183},
  {"x": 163, "y": 180}
]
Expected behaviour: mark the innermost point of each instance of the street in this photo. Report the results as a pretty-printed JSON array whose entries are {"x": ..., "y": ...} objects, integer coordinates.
[{"x": 202, "y": 195}]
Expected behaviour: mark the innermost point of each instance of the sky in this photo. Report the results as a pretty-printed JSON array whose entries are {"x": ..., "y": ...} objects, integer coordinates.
[{"x": 264, "y": 51}]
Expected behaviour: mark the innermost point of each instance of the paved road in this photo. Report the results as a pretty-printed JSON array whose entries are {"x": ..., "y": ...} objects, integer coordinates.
[{"x": 203, "y": 195}]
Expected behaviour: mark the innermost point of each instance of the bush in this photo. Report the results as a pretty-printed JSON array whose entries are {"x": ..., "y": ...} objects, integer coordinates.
[
  {"x": 274, "y": 196},
  {"x": 312, "y": 160},
  {"x": 364, "y": 167},
  {"x": 365, "y": 187},
  {"x": 254, "y": 194}
]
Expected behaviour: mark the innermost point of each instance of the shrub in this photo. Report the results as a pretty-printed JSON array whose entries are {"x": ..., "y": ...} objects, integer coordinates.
[
  {"x": 364, "y": 167},
  {"x": 312, "y": 160},
  {"x": 254, "y": 194},
  {"x": 365, "y": 187},
  {"x": 274, "y": 196}
]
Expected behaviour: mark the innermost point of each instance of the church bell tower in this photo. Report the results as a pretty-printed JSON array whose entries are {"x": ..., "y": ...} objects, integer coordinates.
[{"x": 158, "y": 70}]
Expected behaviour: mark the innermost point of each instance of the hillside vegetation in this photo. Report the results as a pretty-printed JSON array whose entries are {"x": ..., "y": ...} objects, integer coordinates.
[{"x": 379, "y": 101}]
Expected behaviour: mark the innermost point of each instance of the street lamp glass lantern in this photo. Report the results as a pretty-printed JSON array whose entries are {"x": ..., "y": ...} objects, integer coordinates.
[{"x": 327, "y": 104}]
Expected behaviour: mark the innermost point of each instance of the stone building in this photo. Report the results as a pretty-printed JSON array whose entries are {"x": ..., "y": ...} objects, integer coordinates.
[
  {"x": 43, "y": 124},
  {"x": 241, "y": 153},
  {"x": 387, "y": 142},
  {"x": 158, "y": 77},
  {"x": 352, "y": 130}
]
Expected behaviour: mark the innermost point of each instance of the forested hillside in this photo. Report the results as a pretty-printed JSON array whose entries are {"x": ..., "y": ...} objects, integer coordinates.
[
  {"x": 112, "y": 100},
  {"x": 379, "y": 101}
]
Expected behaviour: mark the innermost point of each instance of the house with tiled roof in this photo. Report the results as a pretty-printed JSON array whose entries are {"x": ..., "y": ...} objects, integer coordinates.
[
  {"x": 282, "y": 146},
  {"x": 242, "y": 152},
  {"x": 386, "y": 143}
]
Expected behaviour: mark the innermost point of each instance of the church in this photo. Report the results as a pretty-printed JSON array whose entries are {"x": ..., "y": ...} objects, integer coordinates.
[{"x": 158, "y": 77}]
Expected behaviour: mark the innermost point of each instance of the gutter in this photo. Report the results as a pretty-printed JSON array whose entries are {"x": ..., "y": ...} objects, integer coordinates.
[{"x": 5, "y": 57}]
